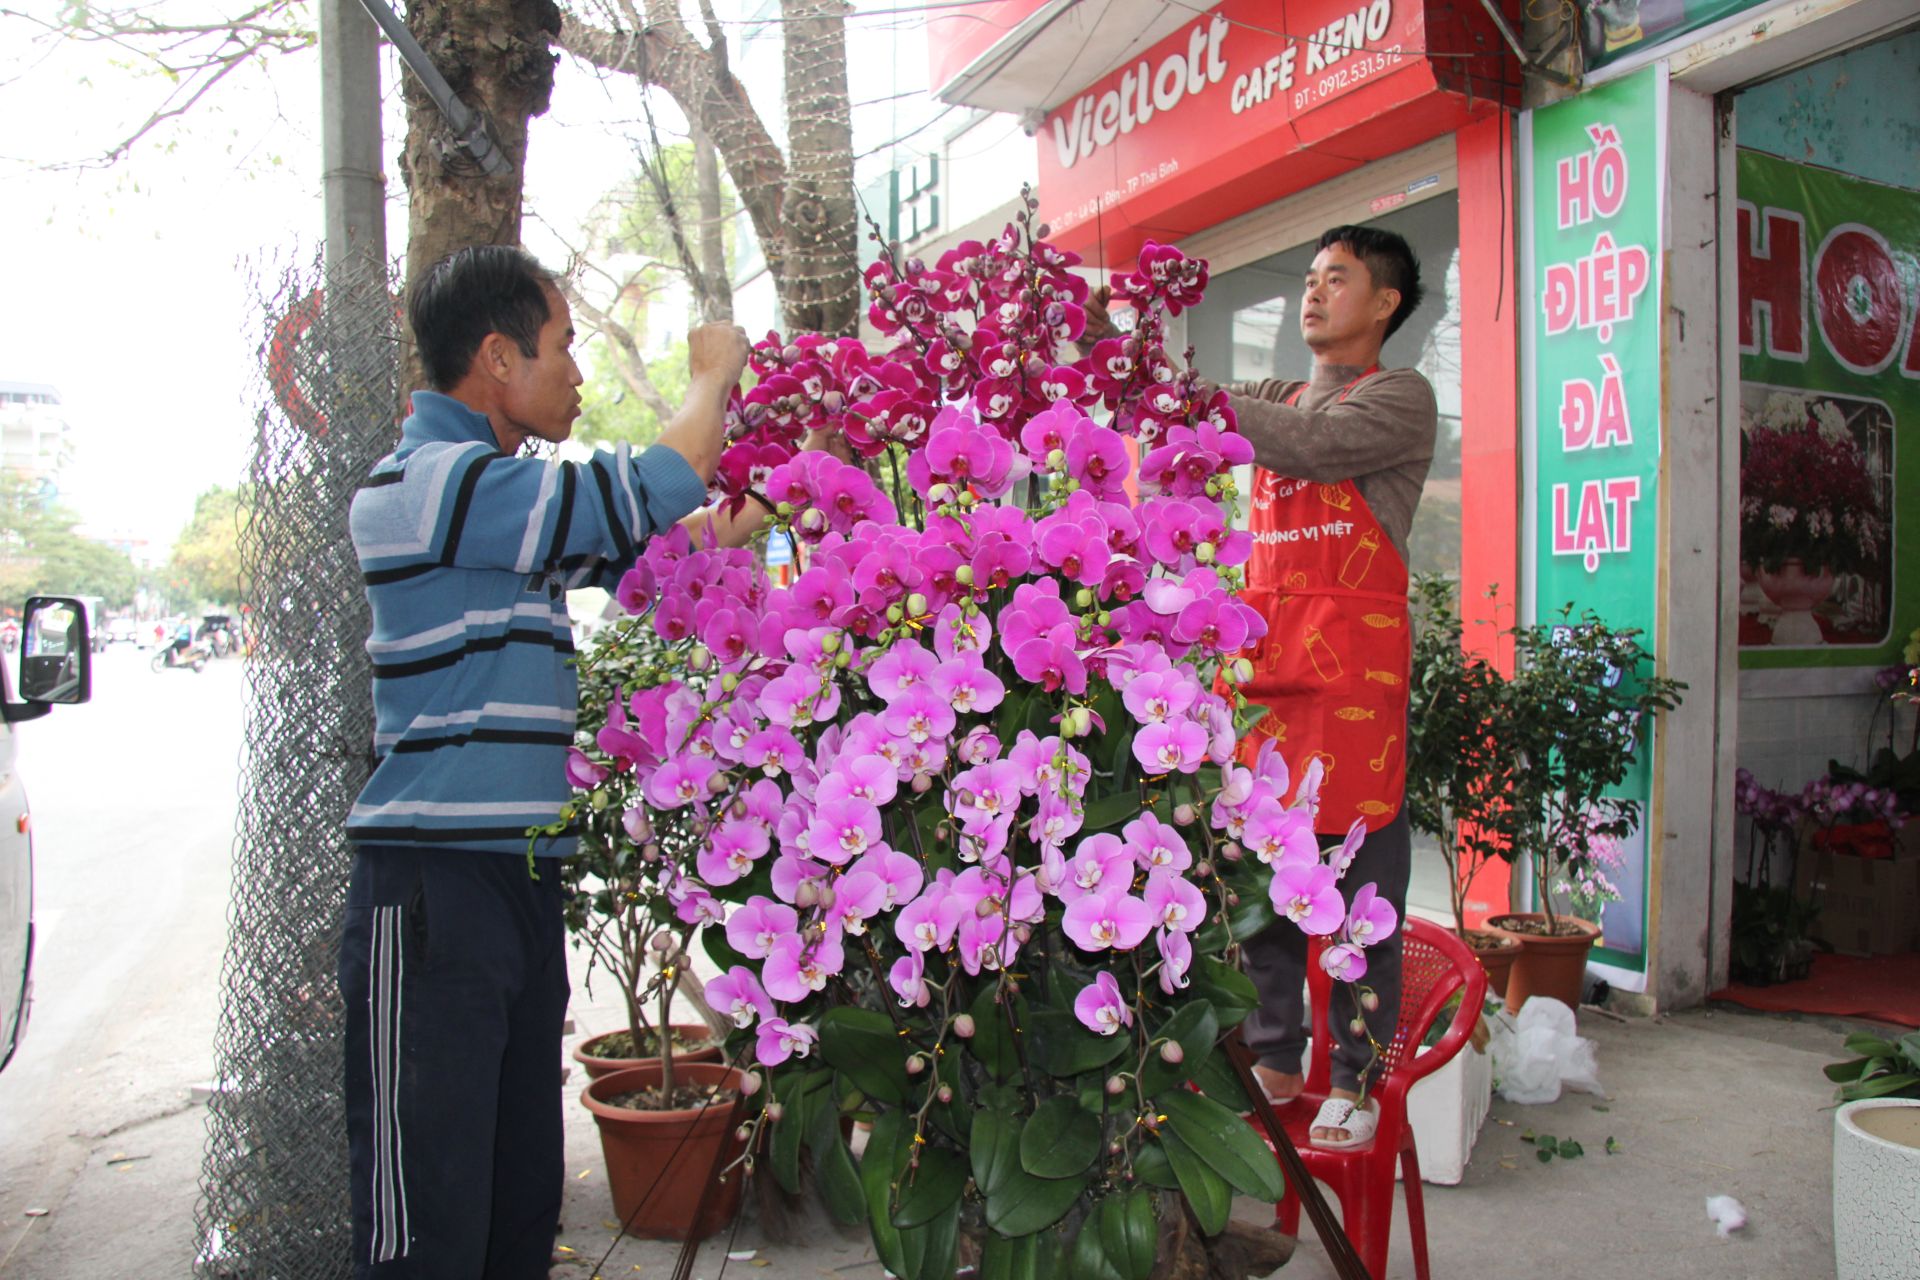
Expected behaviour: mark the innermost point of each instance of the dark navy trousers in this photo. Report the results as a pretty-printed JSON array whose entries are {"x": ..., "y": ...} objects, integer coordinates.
[{"x": 453, "y": 968}]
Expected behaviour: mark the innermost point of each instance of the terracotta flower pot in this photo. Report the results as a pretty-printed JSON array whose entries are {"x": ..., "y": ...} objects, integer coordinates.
[
  {"x": 597, "y": 1064},
  {"x": 660, "y": 1163},
  {"x": 1547, "y": 966},
  {"x": 1797, "y": 593},
  {"x": 1496, "y": 951}
]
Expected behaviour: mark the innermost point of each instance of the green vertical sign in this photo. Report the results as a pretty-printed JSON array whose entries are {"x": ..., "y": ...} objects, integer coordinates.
[{"x": 1595, "y": 175}]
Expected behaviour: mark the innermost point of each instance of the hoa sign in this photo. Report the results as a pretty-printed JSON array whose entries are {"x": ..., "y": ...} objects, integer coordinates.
[{"x": 1862, "y": 302}]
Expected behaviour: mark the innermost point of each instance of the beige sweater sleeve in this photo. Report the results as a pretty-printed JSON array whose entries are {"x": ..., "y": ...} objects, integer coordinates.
[{"x": 1388, "y": 422}]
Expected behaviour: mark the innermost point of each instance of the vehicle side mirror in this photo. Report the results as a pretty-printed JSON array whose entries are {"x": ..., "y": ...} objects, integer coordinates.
[{"x": 56, "y": 655}]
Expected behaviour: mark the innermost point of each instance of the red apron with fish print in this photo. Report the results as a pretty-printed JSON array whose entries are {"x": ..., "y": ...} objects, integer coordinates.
[{"x": 1332, "y": 669}]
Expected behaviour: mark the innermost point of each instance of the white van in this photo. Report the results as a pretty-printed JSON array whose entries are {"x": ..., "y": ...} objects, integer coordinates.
[{"x": 56, "y": 666}]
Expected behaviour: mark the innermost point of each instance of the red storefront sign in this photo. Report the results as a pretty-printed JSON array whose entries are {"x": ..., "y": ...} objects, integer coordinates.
[{"x": 1231, "y": 112}]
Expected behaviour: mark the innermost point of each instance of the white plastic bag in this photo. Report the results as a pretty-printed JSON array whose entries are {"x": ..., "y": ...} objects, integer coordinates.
[{"x": 1537, "y": 1053}]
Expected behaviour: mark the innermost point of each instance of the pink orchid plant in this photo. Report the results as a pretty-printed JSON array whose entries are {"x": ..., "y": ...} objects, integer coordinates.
[{"x": 955, "y": 809}]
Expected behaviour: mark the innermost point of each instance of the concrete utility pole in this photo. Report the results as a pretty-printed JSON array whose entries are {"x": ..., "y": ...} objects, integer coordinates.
[{"x": 352, "y": 185}]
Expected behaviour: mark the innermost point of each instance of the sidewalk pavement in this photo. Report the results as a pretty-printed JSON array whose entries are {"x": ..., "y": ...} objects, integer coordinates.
[{"x": 1700, "y": 1103}]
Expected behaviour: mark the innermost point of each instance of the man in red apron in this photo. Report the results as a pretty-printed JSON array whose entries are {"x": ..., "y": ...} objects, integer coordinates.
[{"x": 1340, "y": 463}]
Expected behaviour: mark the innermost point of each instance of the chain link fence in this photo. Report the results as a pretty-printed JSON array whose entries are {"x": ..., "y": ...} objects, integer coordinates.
[{"x": 273, "y": 1202}]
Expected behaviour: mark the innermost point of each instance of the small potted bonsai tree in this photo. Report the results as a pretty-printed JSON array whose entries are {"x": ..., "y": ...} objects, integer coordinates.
[
  {"x": 1579, "y": 700},
  {"x": 667, "y": 1108},
  {"x": 1461, "y": 762},
  {"x": 610, "y": 883}
]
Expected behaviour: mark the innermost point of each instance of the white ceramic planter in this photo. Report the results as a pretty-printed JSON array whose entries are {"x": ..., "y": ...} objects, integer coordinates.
[
  {"x": 1446, "y": 1110},
  {"x": 1876, "y": 1199}
]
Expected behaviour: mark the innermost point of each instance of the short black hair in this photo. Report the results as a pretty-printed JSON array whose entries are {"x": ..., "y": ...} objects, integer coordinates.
[
  {"x": 470, "y": 293},
  {"x": 1390, "y": 262}
]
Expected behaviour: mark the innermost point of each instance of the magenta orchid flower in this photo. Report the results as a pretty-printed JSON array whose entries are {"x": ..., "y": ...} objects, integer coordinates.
[
  {"x": 1109, "y": 917},
  {"x": 778, "y": 1040},
  {"x": 899, "y": 875},
  {"x": 583, "y": 774},
  {"x": 967, "y": 685},
  {"x": 1176, "y": 904},
  {"x": 1156, "y": 845},
  {"x": 843, "y": 829},
  {"x": 1100, "y": 1007},
  {"x": 1176, "y": 957},
  {"x": 1173, "y": 746},
  {"x": 1371, "y": 919},
  {"x": 1344, "y": 962},
  {"x": 908, "y": 978},
  {"x": 1308, "y": 895},
  {"x": 738, "y": 996},
  {"x": 1100, "y": 862},
  {"x": 679, "y": 783},
  {"x": 1343, "y": 857},
  {"x": 1280, "y": 836},
  {"x": 753, "y": 928},
  {"x": 794, "y": 970}
]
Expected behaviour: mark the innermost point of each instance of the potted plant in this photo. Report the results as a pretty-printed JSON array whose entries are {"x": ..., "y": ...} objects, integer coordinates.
[
  {"x": 968, "y": 833},
  {"x": 1808, "y": 508},
  {"x": 666, "y": 1107},
  {"x": 1876, "y": 1157},
  {"x": 1580, "y": 694},
  {"x": 1461, "y": 762},
  {"x": 612, "y": 909},
  {"x": 1772, "y": 922}
]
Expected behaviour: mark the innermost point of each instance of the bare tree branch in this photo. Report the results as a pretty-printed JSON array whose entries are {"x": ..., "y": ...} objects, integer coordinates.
[{"x": 194, "y": 58}]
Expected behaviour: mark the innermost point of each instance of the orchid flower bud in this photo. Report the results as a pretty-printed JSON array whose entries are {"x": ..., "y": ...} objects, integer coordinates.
[
  {"x": 1171, "y": 1052},
  {"x": 963, "y": 1026},
  {"x": 964, "y": 575},
  {"x": 1116, "y": 1085},
  {"x": 916, "y": 605},
  {"x": 1183, "y": 815}
]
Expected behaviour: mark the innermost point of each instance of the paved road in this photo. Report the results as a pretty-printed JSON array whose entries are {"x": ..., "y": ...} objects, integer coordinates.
[{"x": 133, "y": 800}]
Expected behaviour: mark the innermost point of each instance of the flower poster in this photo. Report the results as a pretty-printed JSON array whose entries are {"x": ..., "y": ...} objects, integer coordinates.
[
  {"x": 1594, "y": 174},
  {"x": 1830, "y": 376}
]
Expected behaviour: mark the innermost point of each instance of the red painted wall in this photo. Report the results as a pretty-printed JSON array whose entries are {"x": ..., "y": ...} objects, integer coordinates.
[{"x": 1490, "y": 417}]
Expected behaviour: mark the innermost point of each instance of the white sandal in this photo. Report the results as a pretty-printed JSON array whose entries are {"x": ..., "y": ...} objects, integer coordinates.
[{"x": 1340, "y": 1113}]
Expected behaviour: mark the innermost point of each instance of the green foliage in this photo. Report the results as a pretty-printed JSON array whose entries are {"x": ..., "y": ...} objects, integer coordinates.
[
  {"x": 41, "y": 554},
  {"x": 205, "y": 564},
  {"x": 1879, "y": 1068},
  {"x": 1461, "y": 766},
  {"x": 611, "y": 412},
  {"x": 1522, "y": 766}
]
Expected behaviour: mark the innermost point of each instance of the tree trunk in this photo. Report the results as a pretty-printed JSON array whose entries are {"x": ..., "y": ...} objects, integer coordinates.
[
  {"x": 717, "y": 306},
  {"x": 820, "y": 287},
  {"x": 496, "y": 55}
]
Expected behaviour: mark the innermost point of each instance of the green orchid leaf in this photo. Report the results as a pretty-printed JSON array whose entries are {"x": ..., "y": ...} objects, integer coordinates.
[
  {"x": 1062, "y": 1046},
  {"x": 884, "y": 1157},
  {"x": 1207, "y": 1192},
  {"x": 931, "y": 1189},
  {"x": 1151, "y": 1166},
  {"x": 1023, "y": 1204},
  {"x": 1227, "y": 1143},
  {"x": 992, "y": 1041},
  {"x": 994, "y": 1147},
  {"x": 1194, "y": 1028},
  {"x": 833, "y": 1165},
  {"x": 799, "y": 1098},
  {"x": 1111, "y": 811},
  {"x": 1217, "y": 1079},
  {"x": 862, "y": 1045},
  {"x": 1060, "y": 1140},
  {"x": 1229, "y": 991},
  {"x": 1016, "y": 1259},
  {"x": 1129, "y": 1234},
  {"x": 1089, "y": 1260}
]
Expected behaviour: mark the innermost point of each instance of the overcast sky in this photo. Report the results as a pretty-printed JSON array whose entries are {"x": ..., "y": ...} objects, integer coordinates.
[{"x": 126, "y": 286}]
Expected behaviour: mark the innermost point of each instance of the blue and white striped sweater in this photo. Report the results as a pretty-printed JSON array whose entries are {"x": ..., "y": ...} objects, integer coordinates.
[{"x": 467, "y": 554}]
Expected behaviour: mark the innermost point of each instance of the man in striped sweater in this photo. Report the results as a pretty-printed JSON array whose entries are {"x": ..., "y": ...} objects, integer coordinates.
[{"x": 453, "y": 961}]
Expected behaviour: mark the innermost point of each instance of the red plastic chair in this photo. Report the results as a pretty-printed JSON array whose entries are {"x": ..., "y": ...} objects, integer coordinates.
[{"x": 1434, "y": 965}]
